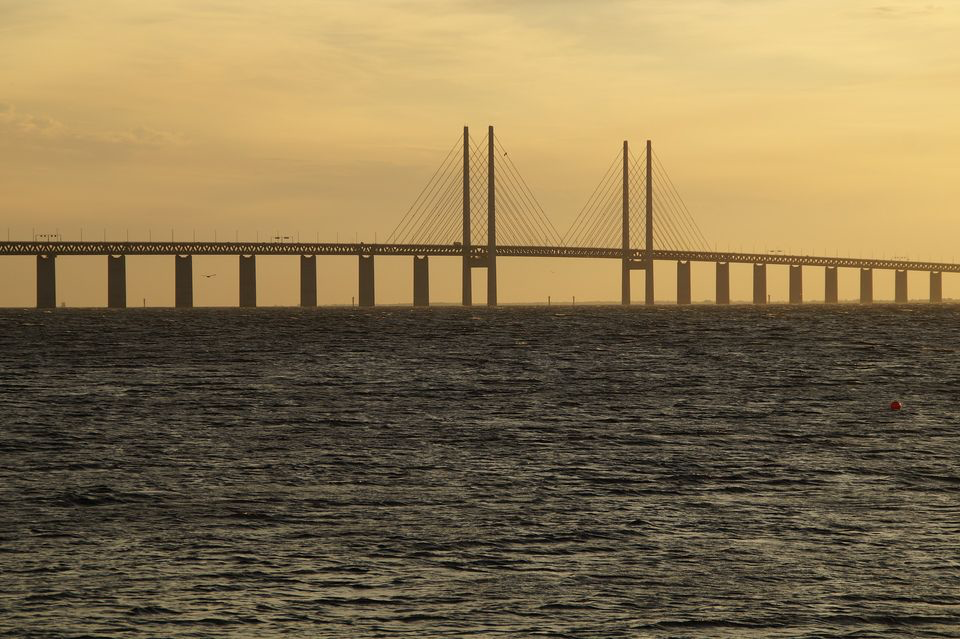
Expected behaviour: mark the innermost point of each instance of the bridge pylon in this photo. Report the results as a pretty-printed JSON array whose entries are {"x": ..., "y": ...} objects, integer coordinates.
[
  {"x": 467, "y": 285},
  {"x": 609, "y": 220},
  {"x": 476, "y": 175},
  {"x": 648, "y": 235},
  {"x": 488, "y": 261},
  {"x": 628, "y": 263},
  {"x": 491, "y": 222}
]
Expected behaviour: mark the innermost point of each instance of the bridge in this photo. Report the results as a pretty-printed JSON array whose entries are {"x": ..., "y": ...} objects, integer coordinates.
[{"x": 442, "y": 223}]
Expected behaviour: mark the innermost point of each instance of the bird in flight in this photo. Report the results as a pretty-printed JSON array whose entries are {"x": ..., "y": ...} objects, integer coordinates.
[{"x": 211, "y": 275}]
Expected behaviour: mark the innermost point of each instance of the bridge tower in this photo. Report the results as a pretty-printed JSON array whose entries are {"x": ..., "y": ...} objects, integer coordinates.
[
  {"x": 491, "y": 222},
  {"x": 626, "y": 264},
  {"x": 446, "y": 217},
  {"x": 467, "y": 281},
  {"x": 648, "y": 263},
  {"x": 490, "y": 261},
  {"x": 607, "y": 221}
]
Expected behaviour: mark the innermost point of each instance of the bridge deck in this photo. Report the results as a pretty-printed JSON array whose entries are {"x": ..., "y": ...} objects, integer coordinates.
[{"x": 448, "y": 250}]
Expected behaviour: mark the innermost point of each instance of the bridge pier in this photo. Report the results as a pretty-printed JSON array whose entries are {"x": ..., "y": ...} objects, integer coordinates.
[
  {"x": 116, "y": 281},
  {"x": 367, "y": 297},
  {"x": 683, "y": 283},
  {"x": 723, "y": 282},
  {"x": 421, "y": 281},
  {"x": 866, "y": 285},
  {"x": 248, "y": 281},
  {"x": 47, "y": 281},
  {"x": 625, "y": 269},
  {"x": 796, "y": 284},
  {"x": 830, "y": 288},
  {"x": 759, "y": 283},
  {"x": 183, "y": 281},
  {"x": 936, "y": 287},
  {"x": 900, "y": 287},
  {"x": 308, "y": 281}
]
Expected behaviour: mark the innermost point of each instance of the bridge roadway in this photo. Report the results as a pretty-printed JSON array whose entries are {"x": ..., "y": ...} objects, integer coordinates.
[
  {"x": 454, "y": 250},
  {"x": 476, "y": 257}
]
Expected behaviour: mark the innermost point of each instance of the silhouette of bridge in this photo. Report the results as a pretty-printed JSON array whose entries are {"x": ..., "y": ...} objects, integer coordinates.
[{"x": 443, "y": 221}]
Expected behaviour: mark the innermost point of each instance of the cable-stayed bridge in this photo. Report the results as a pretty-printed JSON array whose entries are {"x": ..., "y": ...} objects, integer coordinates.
[{"x": 477, "y": 207}]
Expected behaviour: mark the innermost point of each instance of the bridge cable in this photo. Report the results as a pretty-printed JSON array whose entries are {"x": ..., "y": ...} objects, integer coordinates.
[
  {"x": 511, "y": 196},
  {"x": 529, "y": 234},
  {"x": 508, "y": 212},
  {"x": 676, "y": 192},
  {"x": 420, "y": 224},
  {"x": 580, "y": 220},
  {"x": 662, "y": 214},
  {"x": 604, "y": 220},
  {"x": 600, "y": 214},
  {"x": 442, "y": 167},
  {"x": 676, "y": 217},
  {"x": 450, "y": 208},
  {"x": 605, "y": 216},
  {"x": 688, "y": 216},
  {"x": 423, "y": 233},
  {"x": 672, "y": 217},
  {"x": 543, "y": 220}
]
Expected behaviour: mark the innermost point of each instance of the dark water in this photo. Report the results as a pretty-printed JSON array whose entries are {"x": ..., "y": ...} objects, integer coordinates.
[{"x": 525, "y": 472}]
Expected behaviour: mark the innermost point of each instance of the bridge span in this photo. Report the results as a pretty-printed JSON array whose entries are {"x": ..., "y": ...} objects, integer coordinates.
[
  {"x": 479, "y": 211},
  {"x": 117, "y": 252}
]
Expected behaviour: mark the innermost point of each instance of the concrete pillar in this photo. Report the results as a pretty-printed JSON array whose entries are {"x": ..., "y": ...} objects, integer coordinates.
[
  {"x": 625, "y": 282},
  {"x": 866, "y": 285},
  {"x": 116, "y": 281},
  {"x": 648, "y": 247},
  {"x": 421, "y": 281},
  {"x": 796, "y": 284},
  {"x": 183, "y": 281},
  {"x": 491, "y": 222},
  {"x": 248, "y": 281},
  {"x": 759, "y": 283},
  {"x": 625, "y": 228},
  {"x": 308, "y": 281},
  {"x": 46, "y": 281},
  {"x": 367, "y": 296},
  {"x": 683, "y": 283},
  {"x": 900, "y": 287},
  {"x": 936, "y": 287},
  {"x": 467, "y": 282},
  {"x": 723, "y": 282},
  {"x": 830, "y": 288}
]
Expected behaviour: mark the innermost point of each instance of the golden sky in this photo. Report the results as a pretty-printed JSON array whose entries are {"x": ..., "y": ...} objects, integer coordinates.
[{"x": 804, "y": 125}]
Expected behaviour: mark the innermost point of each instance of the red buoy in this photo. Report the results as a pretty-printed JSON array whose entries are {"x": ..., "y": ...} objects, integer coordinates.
[{"x": 895, "y": 405}]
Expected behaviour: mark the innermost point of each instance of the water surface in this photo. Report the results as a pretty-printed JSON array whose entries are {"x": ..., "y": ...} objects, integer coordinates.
[{"x": 520, "y": 472}]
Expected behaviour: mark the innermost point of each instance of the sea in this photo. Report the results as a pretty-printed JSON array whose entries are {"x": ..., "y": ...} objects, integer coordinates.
[{"x": 588, "y": 471}]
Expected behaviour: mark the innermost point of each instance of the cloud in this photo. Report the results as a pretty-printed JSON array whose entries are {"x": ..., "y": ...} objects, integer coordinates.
[
  {"x": 899, "y": 12},
  {"x": 40, "y": 130},
  {"x": 29, "y": 126}
]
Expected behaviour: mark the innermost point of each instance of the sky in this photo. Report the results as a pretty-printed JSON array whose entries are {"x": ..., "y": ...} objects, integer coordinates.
[{"x": 807, "y": 126}]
